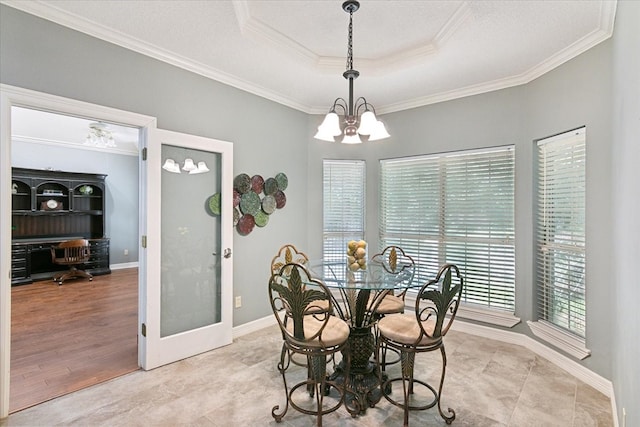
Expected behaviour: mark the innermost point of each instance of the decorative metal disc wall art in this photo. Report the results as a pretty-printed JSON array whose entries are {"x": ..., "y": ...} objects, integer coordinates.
[{"x": 254, "y": 200}]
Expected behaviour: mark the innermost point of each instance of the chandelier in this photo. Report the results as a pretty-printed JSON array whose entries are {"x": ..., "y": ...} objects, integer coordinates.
[
  {"x": 99, "y": 136},
  {"x": 189, "y": 166},
  {"x": 355, "y": 125}
]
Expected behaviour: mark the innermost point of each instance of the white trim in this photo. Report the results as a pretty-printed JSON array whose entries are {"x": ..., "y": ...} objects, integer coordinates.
[
  {"x": 253, "y": 326},
  {"x": 614, "y": 408},
  {"x": 585, "y": 375},
  {"x": 124, "y": 265},
  {"x": 475, "y": 313},
  {"x": 560, "y": 339},
  {"x": 73, "y": 145},
  {"x": 493, "y": 317}
]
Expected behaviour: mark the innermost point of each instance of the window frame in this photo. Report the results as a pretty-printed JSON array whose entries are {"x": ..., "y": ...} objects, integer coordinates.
[
  {"x": 337, "y": 251},
  {"x": 560, "y": 187},
  {"x": 448, "y": 162}
]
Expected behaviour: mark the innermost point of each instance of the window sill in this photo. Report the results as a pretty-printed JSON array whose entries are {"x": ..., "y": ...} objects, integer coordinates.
[
  {"x": 475, "y": 313},
  {"x": 560, "y": 339}
]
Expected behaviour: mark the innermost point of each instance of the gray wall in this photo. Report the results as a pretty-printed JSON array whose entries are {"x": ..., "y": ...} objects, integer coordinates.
[
  {"x": 121, "y": 203},
  {"x": 590, "y": 90},
  {"x": 625, "y": 200},
  {"x": 580, "y": 92},
  {"x": 575, "y": 94},
  {"x": 268, "y": 138}
]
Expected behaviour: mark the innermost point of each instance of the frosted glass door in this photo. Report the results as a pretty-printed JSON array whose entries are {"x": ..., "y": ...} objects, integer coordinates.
[{"x": 187, "y": 262}]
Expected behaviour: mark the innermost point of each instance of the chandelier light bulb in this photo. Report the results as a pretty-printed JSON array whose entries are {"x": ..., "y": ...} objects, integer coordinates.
[
  {"x": 188, "y": 165},
  {"x": 202, "y": 168},
  {"x": 324, "y": 136},
  {"x": 351, "y": 139},
  {"x": 171, "y": 166},
  {"x": 330, "y": 125},
  {"x": 367, "y": 123},
  {"x": 379, "y": 132}
]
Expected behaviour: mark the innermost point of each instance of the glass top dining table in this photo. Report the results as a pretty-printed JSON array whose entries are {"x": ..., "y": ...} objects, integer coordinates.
[
  {"x": 356, "y": 296},
  {"x": 377, "y": 276}
]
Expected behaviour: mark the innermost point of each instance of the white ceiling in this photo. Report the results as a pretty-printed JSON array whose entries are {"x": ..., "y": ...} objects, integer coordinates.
[
  {"x": 409, "y": 53},
  {"x": 40, "y": 127}
]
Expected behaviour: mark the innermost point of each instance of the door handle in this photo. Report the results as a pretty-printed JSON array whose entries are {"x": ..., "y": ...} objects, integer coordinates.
[{"x": 227, "y": 253}]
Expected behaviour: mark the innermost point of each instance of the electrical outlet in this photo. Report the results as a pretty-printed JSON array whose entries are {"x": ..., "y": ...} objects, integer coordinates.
[
  {"x": 126, "y": 252},
  {"x": 238, "y": 302}
]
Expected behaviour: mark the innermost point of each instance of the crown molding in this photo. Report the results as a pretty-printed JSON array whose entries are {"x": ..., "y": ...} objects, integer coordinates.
[
  {"x": 254, "y": 28},
  {"x": 464, "y": 92},
  {"x": 51, "y": 13},
  {"x": 72, "y": 145},
  {"x": 607, "y": 18}
]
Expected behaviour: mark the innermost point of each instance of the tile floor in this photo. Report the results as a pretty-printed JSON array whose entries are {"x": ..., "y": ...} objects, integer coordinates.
[{"x": 488, "y": 383}]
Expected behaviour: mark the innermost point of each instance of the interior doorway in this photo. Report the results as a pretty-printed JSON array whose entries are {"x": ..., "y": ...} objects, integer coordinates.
[
  {"x": 10, "y": 97},
  {"x": 68, "y": 337}
]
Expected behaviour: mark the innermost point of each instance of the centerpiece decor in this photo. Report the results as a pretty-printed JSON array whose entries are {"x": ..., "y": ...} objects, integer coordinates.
[{"x": 357, "y": 255}]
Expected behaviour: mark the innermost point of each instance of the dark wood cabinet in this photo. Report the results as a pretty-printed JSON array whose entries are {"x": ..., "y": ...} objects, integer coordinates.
[{"x": 49, "y": 207}]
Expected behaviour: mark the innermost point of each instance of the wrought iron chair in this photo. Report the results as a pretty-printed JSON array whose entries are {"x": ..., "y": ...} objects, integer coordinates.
[
  {"x": 308, "y": 330},
  {"x": 72, "y": 253},
  {"x": 423, "y": 331},
  {"x": 289, "y": 254},
  {"x": 394, "y": 259}
]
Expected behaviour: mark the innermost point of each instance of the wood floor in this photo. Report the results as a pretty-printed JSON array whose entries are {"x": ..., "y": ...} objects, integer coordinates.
[{"x": 65, "y": 338}]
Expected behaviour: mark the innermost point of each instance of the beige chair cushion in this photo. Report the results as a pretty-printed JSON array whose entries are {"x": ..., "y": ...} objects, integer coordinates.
[
  {"x": 404, "y": 329},
  {"x": 335, "y": 333},
  {"x": 390, "y": 304},
  {"x": 318, "y": 306}
]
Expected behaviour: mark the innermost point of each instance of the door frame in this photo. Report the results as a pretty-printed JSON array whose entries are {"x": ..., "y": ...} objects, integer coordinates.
[{"x": 11, "y": 96}]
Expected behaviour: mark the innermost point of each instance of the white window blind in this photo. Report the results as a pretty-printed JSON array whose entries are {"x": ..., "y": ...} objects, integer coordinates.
[
  {"x": 343, "y": 206},
  {"x": 456, "y": 208},
  {"x": 560, "y": 231}
]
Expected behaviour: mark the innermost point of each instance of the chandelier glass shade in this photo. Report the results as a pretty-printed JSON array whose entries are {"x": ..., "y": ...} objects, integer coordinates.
[
  {"x": 99, "y": 136},
  {"x": 189, "y": 166},
  {"x": 355, "y": 126}
]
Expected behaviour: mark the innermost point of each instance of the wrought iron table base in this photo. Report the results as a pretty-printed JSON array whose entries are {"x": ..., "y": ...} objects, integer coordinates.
[{"x": 364, "y": 382}]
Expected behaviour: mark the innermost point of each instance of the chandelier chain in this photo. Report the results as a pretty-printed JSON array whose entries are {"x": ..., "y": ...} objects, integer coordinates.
[{"x": 350, "y": 45}]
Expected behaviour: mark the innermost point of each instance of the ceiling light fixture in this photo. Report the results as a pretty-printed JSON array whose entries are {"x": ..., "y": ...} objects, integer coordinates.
[
  {"x": 99, "y": 136},
  {"x": 369, "y": 125},
  {"x": 189, "y": 166}
]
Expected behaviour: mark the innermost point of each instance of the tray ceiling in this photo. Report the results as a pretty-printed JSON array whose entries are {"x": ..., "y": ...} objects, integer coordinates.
[{"x": 409, "y": 53}]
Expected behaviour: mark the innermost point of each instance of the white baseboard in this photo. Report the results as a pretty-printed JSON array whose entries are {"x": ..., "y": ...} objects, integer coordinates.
[
  {"x": 124, "y": 265},
  {"x": 585, "y": 375},
  {"x": 256, "y": 325}
]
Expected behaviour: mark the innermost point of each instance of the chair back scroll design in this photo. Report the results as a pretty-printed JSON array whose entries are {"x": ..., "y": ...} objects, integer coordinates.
[
  {"x": 288, "y": 254},
  {"x": 289, "y": 293},
  {"x": 394, "y": 259},
  {"x": 437, "y": 300}
]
